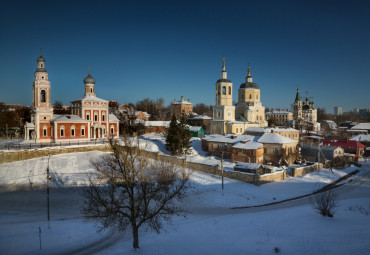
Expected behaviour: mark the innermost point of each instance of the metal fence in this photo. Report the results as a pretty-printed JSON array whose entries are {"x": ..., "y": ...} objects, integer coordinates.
[{"x": 25, "y": 146}]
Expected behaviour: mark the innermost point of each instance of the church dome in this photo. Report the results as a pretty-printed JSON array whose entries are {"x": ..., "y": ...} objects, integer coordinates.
[
  {"x": 89, "y": 79},
  {"x": 40, "y": 59},
  {"x": 223, "y": 80},
  {"x": 249, "y": 85}
]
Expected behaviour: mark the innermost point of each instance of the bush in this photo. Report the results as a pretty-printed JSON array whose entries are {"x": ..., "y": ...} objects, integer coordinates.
[{"x": 325, "y": 203}]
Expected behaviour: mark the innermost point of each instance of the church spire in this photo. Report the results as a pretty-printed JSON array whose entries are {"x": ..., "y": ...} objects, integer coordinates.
[
  {"x": 223, "y": 73},
  {"x": 249, "y": 76}
]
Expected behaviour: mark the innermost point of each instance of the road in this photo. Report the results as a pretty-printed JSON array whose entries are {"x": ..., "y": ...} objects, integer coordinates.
[{"x": 66, "y": 203}]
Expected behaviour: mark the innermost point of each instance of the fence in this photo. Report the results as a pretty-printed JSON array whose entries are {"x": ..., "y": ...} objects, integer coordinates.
[{"x": 29, "y": 146}]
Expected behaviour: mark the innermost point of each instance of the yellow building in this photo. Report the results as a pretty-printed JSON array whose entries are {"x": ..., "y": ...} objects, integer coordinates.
[
  {"x": 249, "y": 110},
  {"x": 249, "y": 106}
]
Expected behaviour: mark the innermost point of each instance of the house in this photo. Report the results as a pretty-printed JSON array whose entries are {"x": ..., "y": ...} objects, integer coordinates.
[
  {"x": 362, "y": 128},
  {"x": 250, "y": 152},
  {"x": 181, "y": 107},
  {"x": 157, "y": 127},
  {"x": 349, "y": 146},
  {"x": 220, "y": 145},
  {"x": 311, "y": 152},
  {"x": 254, "y": 168},
  {"x": 201, "y": 120},
  {"x": 364, "y": 139},
  {"x": 279, "y": 118},
  {"x": 196, "y": 131},
  {"x": 142, "y": 115},
  {"x": 287, "y": 132},
  {"x": 278, "y": 149}
]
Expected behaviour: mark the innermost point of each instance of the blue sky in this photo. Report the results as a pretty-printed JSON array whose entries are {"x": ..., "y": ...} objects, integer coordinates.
[{"x": 168, "y": 49}]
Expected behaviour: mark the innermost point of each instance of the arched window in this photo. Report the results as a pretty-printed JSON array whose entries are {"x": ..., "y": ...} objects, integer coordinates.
[
  {"x": 224, "y": 90},
  {"x": 103, "y": 116},
  {"x": 62, "y": 131},
  {"x": 91, "y": 90},
  {"x": 218, "y": 91},
  {"x": 45, "y": 131},
  {"x": 112, "y": 130},
  {"x": 96, "y": 116},
  {"x": 229, "y": 90},
  {"x": 83, "y": 131},
  {"x": 72, "y": 130},
  {"x": 43, "y": 96},
  {"x": 88, "y": 115},
  {"x": 250, "y": 96}
]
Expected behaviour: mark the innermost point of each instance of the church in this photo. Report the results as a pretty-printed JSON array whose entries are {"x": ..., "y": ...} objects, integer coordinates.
[
  {"x": 89, "y": 119},
  {"x": 305, "y": 114},
  {"x": 248, "y": 112}
]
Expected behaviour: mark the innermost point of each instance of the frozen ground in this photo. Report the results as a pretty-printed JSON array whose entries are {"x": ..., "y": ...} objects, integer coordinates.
[{"x": 210, "y": 227}]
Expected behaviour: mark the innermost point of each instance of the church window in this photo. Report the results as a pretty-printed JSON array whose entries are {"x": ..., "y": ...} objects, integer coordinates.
[
  {"x": 83, "y": 131},
  {"x": 218, "y": 91},
  {"x": 91, "y": 90},
  {"x": 45, "y": 131},
  {"x": 43, "y": 96},
  {"x": 257, "y": 117},
  {"x": 62, "y": 131},
  {"x": 73, "y": 131},
  {"x": 112, "y": 130},
  {"x": 250, "y": 96},
  {"x": 229, "y": 90},
  {"x": 223, "y": 90},
  {"x": 42, "y": 65},
  {"x": 42, "y": 77},
  {"x": 103, "y": 116},
  {"x": 96, "y": 117},
  {"x": 88, "y": 116}
]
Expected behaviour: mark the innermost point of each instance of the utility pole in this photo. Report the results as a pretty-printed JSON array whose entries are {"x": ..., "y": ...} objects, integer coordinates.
[
  {"x": 222, "y": 171},
  {"x": 47, "y": 190}
]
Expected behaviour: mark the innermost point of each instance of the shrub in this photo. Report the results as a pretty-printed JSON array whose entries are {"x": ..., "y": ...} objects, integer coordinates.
[{"x": 325, "y": 202}]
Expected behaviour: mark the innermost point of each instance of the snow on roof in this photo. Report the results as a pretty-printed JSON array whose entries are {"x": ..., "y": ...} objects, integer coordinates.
[
  {"x": 145, "y": 113},
  {"x": 278, "y": 112},
  {"x": 231, "y": 139},
  {"x": 181, "y": 102},
  {"x": 323, "y": 148},
  {"x": 156, "y": 123},
  {"x": 94, "y": 99},
  {"x": 275, "y": 138},
  {"x": 343, "y": 143},
  {"x": 202, "y": 117},
  {"x": 209, "y": 137},
  {"x": 255, "y": 129},
  {"x": 251, "y": 145},
  {"x": 362, "y": 126},
  {"x": 112, "y": 118},
  {"x": 252, "y": 166},
  {"x": 68, "y": 118},
  {"x": 195, "y": 128},
  {"x": 361, "y": 138}
]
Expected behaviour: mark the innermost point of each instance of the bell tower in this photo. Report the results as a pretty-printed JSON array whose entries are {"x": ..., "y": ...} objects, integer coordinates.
[
  {"x": 224, "y": 88},
  {"x": 42, "y": 112},
  {"x": 89, "y": 85}
]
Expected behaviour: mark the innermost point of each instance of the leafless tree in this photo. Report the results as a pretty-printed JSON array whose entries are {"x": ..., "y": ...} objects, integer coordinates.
[
  {"x": 130, "y": 191},
  {"x": 325, "y": 202}
]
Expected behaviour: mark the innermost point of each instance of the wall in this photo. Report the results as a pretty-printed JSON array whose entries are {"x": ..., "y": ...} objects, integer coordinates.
[
  {"x": 7, "y": 157},
  {"x": 298, "y": 171}
]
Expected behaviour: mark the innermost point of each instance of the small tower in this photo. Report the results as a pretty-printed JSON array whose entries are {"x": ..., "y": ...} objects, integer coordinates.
[
  {"x": 42, "y": 111},
  {"x": 89, "y": 85},
  {"x": 224, "y": 88},
  {"x": 297, "y": 115}
]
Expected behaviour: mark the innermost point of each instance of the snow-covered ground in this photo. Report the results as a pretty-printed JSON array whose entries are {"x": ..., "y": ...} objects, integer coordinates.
[{"x": 210, "y": 227}]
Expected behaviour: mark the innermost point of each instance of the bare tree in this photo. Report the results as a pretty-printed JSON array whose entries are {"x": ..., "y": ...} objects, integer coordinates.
[
  {"x": 325, "y": 202},
  {"x": 130, "y": 191}
]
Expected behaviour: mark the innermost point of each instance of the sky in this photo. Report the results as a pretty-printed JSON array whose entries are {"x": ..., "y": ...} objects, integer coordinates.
[{"x": 168, "y": 49}]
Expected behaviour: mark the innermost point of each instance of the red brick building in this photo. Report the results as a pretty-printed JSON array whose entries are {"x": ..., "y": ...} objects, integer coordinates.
[{"x": 89, "y": 118}]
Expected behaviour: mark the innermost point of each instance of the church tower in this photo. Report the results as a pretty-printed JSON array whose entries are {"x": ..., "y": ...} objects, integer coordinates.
[
  {"x": 223, "y": 111},
  {"x": 224, "y": 88},
  {"x": 89, "y": 85},
  {"x": 297, "y": 115},
  {"x": 42, "y": 109}
]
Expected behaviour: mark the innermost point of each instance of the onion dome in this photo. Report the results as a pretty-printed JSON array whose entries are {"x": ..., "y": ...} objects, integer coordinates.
[
  {"x": 249, "y": 84},
  {"x": 89, "y": 79}
]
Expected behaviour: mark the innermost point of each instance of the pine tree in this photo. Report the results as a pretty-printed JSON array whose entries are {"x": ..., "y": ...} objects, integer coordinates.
[
  {"x": 185, "y": 136},
  {"x": 173, "y": 139}
]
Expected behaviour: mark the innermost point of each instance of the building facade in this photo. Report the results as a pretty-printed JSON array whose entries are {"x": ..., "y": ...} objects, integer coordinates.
[
  {"x": 279, "y": 118},
  {"x": 89, "y": 118},
  {"x": 248, "y": 112},
  {"x": 181, "y": 107},
  {"x": 305, "y": 114}
]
